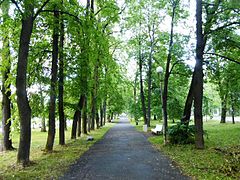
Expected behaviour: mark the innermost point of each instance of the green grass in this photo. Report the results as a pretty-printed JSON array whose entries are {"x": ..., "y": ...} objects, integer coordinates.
[
  {"x": 47, "y": 165},
  {"x": 209, "y": 163}
]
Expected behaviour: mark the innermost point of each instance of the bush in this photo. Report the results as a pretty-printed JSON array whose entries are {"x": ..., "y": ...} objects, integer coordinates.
[{"x": 181, "y": 134}]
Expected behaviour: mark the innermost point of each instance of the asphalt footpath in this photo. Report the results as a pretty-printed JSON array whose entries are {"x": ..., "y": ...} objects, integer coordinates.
[{"x": 123, "y": 154}]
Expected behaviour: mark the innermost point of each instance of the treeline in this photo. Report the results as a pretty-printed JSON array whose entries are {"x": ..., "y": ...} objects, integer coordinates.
[
  {"x": 57, "y": 63},
  {"x": 175, "y": 94}
]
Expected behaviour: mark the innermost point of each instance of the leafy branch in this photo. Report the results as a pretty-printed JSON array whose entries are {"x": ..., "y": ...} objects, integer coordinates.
[
  {"x": 224, "y": 57},
  {"x": 40, "y": 9},
  {"x": 16, "y": 4}
]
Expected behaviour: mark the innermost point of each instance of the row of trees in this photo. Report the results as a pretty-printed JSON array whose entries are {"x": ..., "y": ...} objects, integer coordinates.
[
  {"x": 59, "y": 56},
  {"x": 216, "y": 55}
]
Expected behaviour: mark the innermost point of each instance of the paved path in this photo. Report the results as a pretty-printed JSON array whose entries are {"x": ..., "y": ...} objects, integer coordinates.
[{"x": 123, "y": 154}]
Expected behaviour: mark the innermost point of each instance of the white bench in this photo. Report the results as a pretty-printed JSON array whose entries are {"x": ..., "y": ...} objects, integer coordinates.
[{"x": 157, "y": 129}]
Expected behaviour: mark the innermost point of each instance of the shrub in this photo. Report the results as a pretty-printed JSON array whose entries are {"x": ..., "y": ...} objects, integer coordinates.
[{"x": 181, "y": 134}]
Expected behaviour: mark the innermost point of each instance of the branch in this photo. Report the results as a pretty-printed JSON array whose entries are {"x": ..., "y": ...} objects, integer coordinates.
[
  {"x": 174, "y": 64},
  {"x": 224, "y": 57},
  {"x": 120, "y": 12},
  {"x": 16, "y": 4},
  {"x": 64, "y": 12},
  {"x": 108, "y": 7},
  {"x": 222, "y": 27},
  {"x": 40, "y": 9}
]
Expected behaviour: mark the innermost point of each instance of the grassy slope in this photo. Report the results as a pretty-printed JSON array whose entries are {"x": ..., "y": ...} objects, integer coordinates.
[
  {"x": 47, "y": 166},
  {"x": 207, "y": 163}
]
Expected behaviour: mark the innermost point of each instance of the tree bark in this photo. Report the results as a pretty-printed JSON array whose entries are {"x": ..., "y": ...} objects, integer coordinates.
[
  {"x": 104, "y": 111},
  {"x": 188, "y": 104},
  {"x": 150, "y": 78},
  {"x": 141, "y": 85},
  {"x": 43, "y": 122},
  {"x": 6, "y": 92},
  {"x": 61, "y": 84},
  {"x": 93, "y": 111},
  {"x": 224, "y": 109},
  {"x": 77, "y": 117},
  {"x": 198, "y": 71},
  {"x": 167, "y": 74},
  {"x": 52, "y": 106},
  {"x": 79, "y": 125},
  {"x": 135, "y": 97},
  {"x": 233, "y": 109},
  {"x": 6, "y": 109},
  {"x": 101, "y": 115},
  {"x": 84, "y": 121},
  {"x": 21, "y": 81},
  {"x": 97, "y": 119}
]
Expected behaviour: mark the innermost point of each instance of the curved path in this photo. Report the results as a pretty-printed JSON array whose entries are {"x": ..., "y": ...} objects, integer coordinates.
[{"x": 123, "y": 154}]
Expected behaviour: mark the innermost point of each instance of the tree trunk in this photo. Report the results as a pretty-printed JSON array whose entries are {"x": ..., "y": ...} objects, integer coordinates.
[
  {"x": 84, "y": 121},
  {"x": 52, "y": 106},
  {"x": 233, "y": 109},
  {"x": 141, "y": 85},
  {"x": 233, "y": 114},
  {"x": 93, "y": 111},
  {"x": 198, "y": 71},
  {"x": 150, "y": 82},
  {"x": 188, "y": 104},
  {"x": 167, "y": 74},
  {"x": 224, "y": 109},
  {"x": 43, "y": 122},
  {"x": 21, "y": 81},
  {"x": 101, "y": 115},
  {"x": 97, "y": 119},
  {"x": 104, "y": 111},
  {"x": 6, "y": 92},
  {"x": 79, "y": 125},
  {"x": 135, "y": 97},
  {"x": 65, "y": 123},
  {"x": 154, "y": 117},
  {"x": 111, "y": 116},
  {"x": 61, "y": 84},
  {"x": 77, "y": 117},
  {"x": 6, "y": 112}
]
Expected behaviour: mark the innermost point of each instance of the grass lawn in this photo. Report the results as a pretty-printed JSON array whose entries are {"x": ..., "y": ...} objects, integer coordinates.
[
  {"x": 47, "y": 165},
  {"x": 219, "y": 160}
]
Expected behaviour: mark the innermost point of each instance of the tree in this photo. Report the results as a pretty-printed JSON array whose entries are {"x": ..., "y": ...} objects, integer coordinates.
[
  {"x": 61, "y": 82},
  {"x": 198, "y": 79},
  {"x": 5, "y": 70},
  {"x": 167, "y": 70},
  {"x": 27, "y": 20},
  {"x": 54, "y": 70}
]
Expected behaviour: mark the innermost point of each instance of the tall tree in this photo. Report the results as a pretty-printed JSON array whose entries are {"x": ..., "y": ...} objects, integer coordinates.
[
  {"x": 54, "y": 70},
  {"x": 77, "y": 118},
  {"x": 21, "y": 81},
  {"x": 61, "y": 82},
  {"x": 27, "y": 20},
  {"x": 151, "y": 31},
  {"x": 6, "y": 91},
  {"x": 140, "y": 63},
  {"x": 198, "y": 79}
]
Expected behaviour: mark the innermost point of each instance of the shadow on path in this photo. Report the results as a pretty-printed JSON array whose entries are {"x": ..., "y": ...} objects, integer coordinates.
[{"x": 123, "y": 154}]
